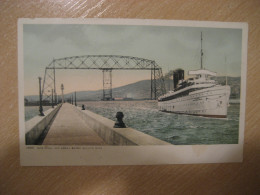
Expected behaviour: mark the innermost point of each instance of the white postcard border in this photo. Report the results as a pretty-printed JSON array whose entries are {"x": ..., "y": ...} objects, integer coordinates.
[{"x": 130, "y": 155}]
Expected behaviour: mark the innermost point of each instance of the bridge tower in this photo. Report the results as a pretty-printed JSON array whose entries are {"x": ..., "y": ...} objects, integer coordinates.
[{"x": 107, "y": 84}]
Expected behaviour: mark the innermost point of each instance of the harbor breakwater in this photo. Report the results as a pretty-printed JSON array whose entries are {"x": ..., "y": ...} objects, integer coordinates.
[{"x": 102, "y": 126}]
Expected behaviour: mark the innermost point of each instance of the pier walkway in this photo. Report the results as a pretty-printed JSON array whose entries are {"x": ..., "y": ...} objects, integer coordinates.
[
  {"x": 66, "y": 124},
  {"x": 70, "y": 129}
]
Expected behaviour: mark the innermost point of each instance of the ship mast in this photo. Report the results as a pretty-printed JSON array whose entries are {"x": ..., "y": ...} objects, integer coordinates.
[
  {"x": 201, "y": 54},
  {"x": 226, "y": 68}
]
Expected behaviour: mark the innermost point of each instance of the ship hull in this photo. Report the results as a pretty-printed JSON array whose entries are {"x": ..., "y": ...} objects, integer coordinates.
[{"x": 209, "y": 102}]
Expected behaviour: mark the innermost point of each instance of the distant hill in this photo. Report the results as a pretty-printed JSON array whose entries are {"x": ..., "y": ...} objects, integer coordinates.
[
  {"x": 141, "y": 90},
  {"x": 138, "y": 90},
  {"x": 233, "y": 82}
]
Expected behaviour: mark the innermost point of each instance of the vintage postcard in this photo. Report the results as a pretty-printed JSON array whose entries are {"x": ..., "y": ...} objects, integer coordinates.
[{"x": 131, "y": 92}]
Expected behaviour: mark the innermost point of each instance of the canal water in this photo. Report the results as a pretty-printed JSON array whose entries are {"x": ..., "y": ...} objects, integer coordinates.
[
  {"x": 174, "y": 128},
  {"x": 32, "y": 111}
]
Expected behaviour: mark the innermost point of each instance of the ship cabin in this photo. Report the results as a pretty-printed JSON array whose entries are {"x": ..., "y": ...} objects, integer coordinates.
[{"x": 201, "y": 77}]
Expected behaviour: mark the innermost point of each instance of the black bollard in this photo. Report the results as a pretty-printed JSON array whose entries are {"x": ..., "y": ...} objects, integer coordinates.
[
  {"x": 83, "y": 107},
  {"x": 119, "y": 123}
]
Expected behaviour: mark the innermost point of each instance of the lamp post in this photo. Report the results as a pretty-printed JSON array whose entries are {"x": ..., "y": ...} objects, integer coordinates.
[
  {"x": 75, "y": 99},
  {"x": 62, "y": 95},
  {"x": 52, "y": 105},
  {"x": 40, "y": 95}
]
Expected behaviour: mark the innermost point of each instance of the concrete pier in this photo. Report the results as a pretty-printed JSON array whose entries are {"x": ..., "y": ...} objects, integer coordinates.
[
  {"x": 104, "y": 127},
  {"x": 35, "y": 127},
  {"x": 69, "y": 125},
  {"x": 70, "y": 129}
]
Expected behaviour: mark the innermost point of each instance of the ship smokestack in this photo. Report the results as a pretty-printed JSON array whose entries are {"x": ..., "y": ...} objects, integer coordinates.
[
  {"x": 181, "y": 74},
  {"x": 175, "y": 79},
  {"x": 177, "y": 75}
]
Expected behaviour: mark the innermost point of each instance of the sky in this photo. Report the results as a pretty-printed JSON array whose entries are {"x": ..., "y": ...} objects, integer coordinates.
[{"x": 170, "y": 46}]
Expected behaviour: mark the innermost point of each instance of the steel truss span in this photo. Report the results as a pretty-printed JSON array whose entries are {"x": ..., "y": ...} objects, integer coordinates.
[{"x": 105, "y": 63}]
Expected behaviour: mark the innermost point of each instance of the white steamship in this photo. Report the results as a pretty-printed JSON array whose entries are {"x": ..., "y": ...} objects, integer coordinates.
[{"x": 198, "y": 95}]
